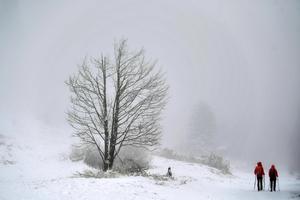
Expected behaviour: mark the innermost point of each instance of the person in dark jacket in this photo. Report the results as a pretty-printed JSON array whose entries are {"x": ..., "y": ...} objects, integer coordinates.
[
  {"x": 273, "y": 174},
  {"x": 169, "y": 173},
  {"x": 259, "y": 172}
]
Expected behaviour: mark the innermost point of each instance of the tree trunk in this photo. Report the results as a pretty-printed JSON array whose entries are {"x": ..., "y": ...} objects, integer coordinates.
[
  {"x": 115, "y": 122},
  {"x": 106, "y": 133},
  {"x": 105, "y": 165}
]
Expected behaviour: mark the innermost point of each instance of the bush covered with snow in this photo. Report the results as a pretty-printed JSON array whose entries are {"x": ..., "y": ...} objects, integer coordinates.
[
  {"x": 6, "y": 151},
  {"x": 218, "y": 162},
  {"x": 129, "y": 160},
  {"x": 77, "y": 153},
  {"x": 94, "y": 173},
  {"x": 212, "y": 160},
  {"x": 132, "y": 160}
]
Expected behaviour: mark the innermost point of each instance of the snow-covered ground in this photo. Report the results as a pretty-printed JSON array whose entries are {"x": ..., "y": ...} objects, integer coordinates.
[{"x": 37, "y": 167}]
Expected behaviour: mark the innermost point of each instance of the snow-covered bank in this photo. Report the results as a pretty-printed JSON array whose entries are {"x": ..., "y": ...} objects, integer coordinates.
[
  {"x": 39, "y": 168},
  {"x": 192, "y": 181}
]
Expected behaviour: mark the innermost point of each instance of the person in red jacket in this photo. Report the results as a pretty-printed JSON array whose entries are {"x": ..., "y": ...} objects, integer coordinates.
[
  {"x": 259, "y": 172},
  {"x": 273, "y": 174}
]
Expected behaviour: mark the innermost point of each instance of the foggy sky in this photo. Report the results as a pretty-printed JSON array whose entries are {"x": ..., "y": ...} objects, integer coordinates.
[{"x": 239, "y": 57}]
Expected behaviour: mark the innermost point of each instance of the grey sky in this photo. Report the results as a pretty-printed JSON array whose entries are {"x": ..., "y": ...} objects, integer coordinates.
[{"x": 239, "y": 57}]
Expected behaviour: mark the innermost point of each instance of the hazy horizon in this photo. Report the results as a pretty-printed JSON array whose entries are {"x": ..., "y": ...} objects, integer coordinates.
[{"x": 240, "y": 58}]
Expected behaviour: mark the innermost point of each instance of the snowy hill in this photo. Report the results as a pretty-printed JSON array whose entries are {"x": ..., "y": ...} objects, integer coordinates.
[{"x": 37, "y": 167}]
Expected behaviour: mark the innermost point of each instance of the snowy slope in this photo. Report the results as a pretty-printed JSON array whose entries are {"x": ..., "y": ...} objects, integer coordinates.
[{"x": 36, "y": 167}]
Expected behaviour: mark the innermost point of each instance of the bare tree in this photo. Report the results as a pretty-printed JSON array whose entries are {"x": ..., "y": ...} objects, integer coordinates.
[{"x": 118, "y": 103}]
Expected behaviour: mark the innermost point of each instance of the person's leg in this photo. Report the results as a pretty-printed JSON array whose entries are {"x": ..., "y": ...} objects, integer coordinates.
[
  {"x": 259, "y": 182},
  {"x": 271, "y": 183},
  {"x": 274, "y": 182}
]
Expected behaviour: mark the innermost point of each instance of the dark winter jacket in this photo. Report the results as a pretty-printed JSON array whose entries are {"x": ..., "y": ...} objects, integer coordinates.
[
  {"x": 259, "y": 170},
  {"x": 169, "y": 173},
  {"x": 273, "y": 174}
]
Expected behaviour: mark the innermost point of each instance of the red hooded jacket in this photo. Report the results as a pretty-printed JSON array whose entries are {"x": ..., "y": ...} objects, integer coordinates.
[
  {"x": 273, "y": 172},
  {"x": 259, "y": 170}
]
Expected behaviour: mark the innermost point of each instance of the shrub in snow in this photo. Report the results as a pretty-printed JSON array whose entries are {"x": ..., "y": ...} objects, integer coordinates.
[
  {"x": 93, "y": 173},
  {"x": 169, "y": 153},
  {"x": 77, "y": 153},
  {"x": 132, "y": 160},
  {"x": 213, "y": 160},
  {"x": 88, "y": 154},
  {"x": 218, "y": 162},
  {"x": 6, "y": 151},
  {"x": 92, "y": 157},
  {"x": 129, "y": 160}
]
